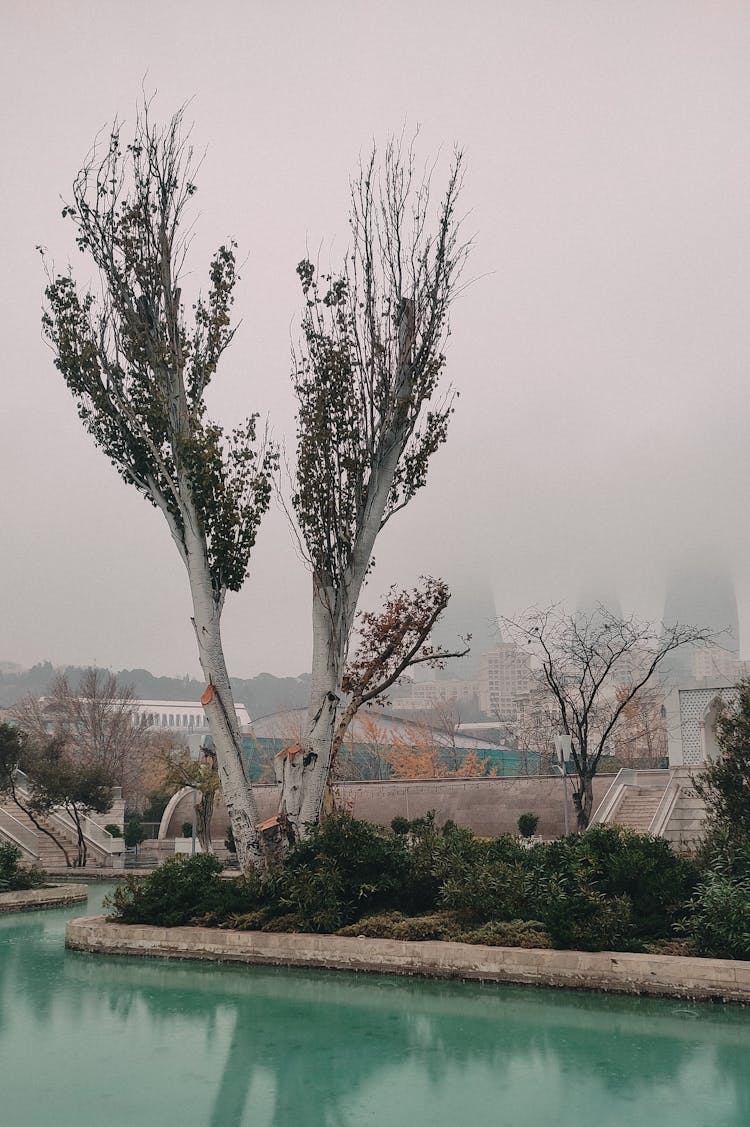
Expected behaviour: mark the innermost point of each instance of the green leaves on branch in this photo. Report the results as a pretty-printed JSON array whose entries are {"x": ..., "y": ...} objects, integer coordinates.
[
  {"x": 138, "y": 365},
  {"x": 367, "y": 371}
]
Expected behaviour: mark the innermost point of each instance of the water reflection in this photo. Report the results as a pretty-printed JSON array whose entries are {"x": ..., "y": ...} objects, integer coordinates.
[{"x": 226, "y": 1047}]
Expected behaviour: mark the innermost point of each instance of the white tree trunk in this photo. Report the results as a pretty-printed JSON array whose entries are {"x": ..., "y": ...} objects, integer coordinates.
[
  {"x": 304, "y": 777},
  {"x": 303, "y": 783},
  {"x": 220, "y": 711}
]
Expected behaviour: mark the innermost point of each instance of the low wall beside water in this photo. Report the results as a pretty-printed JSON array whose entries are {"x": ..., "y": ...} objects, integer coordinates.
[{"x": 621, "y": 972}]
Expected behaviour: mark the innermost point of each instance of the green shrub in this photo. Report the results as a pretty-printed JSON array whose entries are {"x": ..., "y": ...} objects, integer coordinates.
[
  {"x": 440, "y": 925},
  {"x": 394, "y": 925},
  {"x": 487, "y": 890},
  {"x": 400, "y": 825},
  {"x": 511, "y": 933},
  {"x": 719, "y": 920},
  {"x": 178, "y": 892},
  {"x": 248, "y": 921},
  {"x": 134, "y": 832},
  {"x": 187, "y": 829},
  {"x": 658, "y": 883},
  {"x": 344, "y": 870},
  {"x": 527, "y": 824},
  {"x": 584, "y": 919},
  {"x": 15, "y": 877},
  {"x": 113, "y": 829},
  {"x": 291, "y": 922},
  {"x": 373, "y": 927}
]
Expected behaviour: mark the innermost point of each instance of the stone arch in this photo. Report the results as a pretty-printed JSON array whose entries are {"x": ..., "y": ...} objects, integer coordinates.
[{"x": 171, "y": 806}]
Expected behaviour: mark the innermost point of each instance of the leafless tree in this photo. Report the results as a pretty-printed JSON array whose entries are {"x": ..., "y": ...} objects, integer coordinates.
[
  {"x": 594, "y": 665},
  {"x": 96, "y": 720}
]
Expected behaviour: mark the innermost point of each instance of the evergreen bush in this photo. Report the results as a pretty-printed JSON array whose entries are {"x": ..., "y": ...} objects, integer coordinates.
[
  {"x": 15, "y": 877},
  {"x": 180, "y": 891}
]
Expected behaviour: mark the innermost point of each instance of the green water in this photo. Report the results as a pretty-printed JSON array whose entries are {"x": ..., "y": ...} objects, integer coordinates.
[{"x": 133, "y": 1043}]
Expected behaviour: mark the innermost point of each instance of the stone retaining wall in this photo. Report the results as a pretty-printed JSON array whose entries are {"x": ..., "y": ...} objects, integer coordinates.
[
  {"x": 58, "y": 896},
  {"x": 489, "y": 807},
  {"x": 671, "y": 976}
]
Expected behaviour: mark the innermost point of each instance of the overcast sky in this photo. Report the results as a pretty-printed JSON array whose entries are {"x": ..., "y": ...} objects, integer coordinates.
[{"x": 601, "y": 353}]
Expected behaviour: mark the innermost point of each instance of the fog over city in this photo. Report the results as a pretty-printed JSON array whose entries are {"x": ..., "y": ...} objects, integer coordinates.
[{"x": 600, "y": 345}]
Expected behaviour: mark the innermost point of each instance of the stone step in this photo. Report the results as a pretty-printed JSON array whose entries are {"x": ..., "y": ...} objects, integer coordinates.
[
  {"x": 49, "y": 854},
  {"x": 636, "y": 808}
]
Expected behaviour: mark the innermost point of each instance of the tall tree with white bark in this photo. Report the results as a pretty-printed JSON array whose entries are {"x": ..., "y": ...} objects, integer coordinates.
[
  {"x": 138, "y": 366},
  {"x": 370, "y": 417}
]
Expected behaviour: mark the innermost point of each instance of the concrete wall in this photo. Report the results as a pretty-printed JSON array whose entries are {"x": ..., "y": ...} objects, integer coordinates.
[{"x": 487, "y": 806}]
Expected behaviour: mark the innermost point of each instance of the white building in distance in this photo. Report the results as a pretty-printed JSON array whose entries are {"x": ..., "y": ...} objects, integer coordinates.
[{"x": 183, "y": 718}]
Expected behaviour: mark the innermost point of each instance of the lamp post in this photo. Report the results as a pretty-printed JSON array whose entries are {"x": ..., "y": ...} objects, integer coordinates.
[
  {"x": 563, "y": 744},
  {"x": 195, "y": 756}
]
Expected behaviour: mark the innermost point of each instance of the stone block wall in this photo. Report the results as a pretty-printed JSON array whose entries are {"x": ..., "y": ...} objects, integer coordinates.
[{"x": 489, "y": 807}]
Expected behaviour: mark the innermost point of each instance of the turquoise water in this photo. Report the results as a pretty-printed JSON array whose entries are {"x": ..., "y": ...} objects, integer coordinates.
[{"x": 132, "y": 1043}]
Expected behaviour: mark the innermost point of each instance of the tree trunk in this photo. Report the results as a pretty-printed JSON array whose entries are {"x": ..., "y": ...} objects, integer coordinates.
[
  {"x": 303, "y": 777},
  {"x": 218, "y": 702},
  {"x": 583, "y": 798},
  {"x": 203, "y": 813}
]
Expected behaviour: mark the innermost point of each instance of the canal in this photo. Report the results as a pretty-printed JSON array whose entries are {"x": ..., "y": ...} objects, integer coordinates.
[{"x": 86, "y": 1040}]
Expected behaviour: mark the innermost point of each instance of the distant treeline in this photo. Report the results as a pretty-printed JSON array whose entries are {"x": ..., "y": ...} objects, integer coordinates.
[{"x": 262, "y": 695}]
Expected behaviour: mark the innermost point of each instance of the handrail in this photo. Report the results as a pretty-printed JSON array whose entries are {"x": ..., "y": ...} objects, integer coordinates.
[
  {"x": 663, "y": 812},
  {"x": 612, "y": 797},
  {"x": 93, "y": 833},
  {"x": 17, "y": 831}
]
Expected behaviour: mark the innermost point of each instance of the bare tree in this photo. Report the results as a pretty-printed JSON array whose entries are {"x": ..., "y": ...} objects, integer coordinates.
[
  {"x": 370, "y": 417},
  {"x": 138, "y": 365},
  {"x": 96, "y": 720},
  {"x": 182, "y": 771},
  {"x": 641, "y": 738},
  {"x": 594, "y": 665}
]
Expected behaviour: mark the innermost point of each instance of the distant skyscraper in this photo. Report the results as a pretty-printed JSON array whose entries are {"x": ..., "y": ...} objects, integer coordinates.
[
  {"x": 471, "y": 610},
  {"x": 700, "y": 596}
]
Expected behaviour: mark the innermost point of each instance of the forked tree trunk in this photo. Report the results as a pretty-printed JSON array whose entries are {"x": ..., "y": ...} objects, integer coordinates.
[{"x": 303, "y": 777}]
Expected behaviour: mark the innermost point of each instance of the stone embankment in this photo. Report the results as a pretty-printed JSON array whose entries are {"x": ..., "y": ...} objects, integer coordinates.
[
  {"x": 666, "y": 975},
  {"x": 53, "y": 896}
]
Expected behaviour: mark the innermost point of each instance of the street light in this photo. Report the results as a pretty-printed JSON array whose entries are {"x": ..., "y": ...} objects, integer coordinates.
[{"x": 563, "y": 746}]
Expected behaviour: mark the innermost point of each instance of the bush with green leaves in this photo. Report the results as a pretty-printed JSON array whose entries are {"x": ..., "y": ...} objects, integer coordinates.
[
  {"x": 510, "y": 933},
  {"x": 180, "y": 891},
  {"x": 527, "y": 824},
  {"x": 607, "y": 888},
  {"x": 15, "y": 877},
  {"x": 719, "y": 921},
  {"x": 134, "y": 832},
  {"x": 344, "y": 870}
]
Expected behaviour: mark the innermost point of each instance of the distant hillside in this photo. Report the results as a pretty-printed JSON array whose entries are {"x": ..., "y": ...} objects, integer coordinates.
[{"x": 262, "y": 695}]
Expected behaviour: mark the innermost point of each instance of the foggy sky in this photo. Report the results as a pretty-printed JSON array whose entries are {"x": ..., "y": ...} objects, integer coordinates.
[{"x": 601, "y": 351}]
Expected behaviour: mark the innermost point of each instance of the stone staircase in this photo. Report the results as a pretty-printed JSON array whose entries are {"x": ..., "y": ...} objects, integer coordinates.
[
  {"x": 36, "y": 848},
  {"x": 637, "y": 808},
  {"x": 662, "y": 803}
]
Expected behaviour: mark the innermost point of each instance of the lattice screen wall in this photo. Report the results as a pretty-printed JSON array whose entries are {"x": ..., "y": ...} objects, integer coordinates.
[{"x": 694, "y": 704}]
